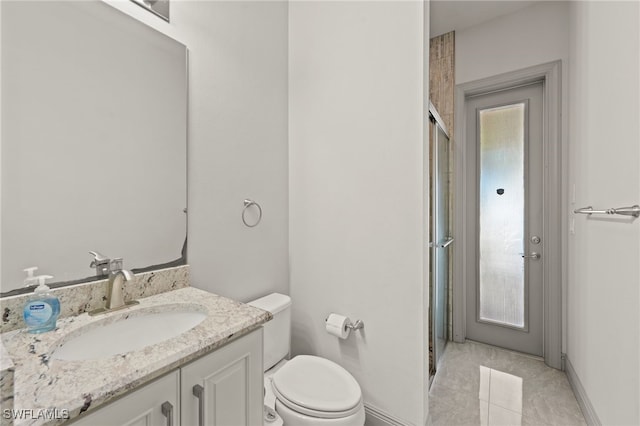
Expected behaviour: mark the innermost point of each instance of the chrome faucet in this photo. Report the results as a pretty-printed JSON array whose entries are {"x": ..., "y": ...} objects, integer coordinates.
[
  {"x": 101, "y": 263},
  {"x": 117, "y": 277}
]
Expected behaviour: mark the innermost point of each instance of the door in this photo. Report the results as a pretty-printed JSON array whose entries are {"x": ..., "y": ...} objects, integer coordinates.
[
  {"x": 504, "y": 294},
  {"x": 440, "y": 236}
]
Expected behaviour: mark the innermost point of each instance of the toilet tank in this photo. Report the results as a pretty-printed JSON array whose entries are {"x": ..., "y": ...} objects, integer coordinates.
[{"x": 277, "y": 332}]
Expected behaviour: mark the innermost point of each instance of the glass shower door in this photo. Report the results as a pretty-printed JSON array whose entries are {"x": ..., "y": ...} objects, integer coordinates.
[{"x": 441, "y": 239}]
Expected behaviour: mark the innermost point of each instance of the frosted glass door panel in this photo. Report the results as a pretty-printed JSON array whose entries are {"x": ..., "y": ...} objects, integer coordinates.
[
  {"x": 501, "y": 214},
  {"x": 505, "y": 191}
]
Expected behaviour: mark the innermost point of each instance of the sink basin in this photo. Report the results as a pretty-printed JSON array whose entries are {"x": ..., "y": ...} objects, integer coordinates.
[{"x": 129, "y": 333}]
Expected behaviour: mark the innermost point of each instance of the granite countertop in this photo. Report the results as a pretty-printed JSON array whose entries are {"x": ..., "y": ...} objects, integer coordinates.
[
  {"x": 6, "y": 382},
  {"x": 78, "y": 386}
]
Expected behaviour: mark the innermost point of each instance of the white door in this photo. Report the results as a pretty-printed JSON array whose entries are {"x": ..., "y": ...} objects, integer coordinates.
[{"x": 504, "y": 295}]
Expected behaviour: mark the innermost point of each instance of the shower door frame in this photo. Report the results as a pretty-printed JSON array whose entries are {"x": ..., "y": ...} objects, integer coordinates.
[
  {"x": 554, "y": 212},
  {"x": 435, "y": 244}
]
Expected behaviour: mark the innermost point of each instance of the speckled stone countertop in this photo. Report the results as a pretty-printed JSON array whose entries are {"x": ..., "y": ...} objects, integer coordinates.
[
  {"x": 7, "y": 370},
  {"x": 81, "y": 386},
  {"x": 86, "y": 297}
]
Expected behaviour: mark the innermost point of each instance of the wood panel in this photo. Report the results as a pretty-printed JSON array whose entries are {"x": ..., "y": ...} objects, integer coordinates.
[{"x": 442, "y": 76}]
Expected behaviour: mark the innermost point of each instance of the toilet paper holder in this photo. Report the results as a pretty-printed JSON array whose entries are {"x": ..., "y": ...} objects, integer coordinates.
[
  {"x": 356, "y": 325},
  {"x": 341, "y": 326},
  {"x": 359, "y": 324}
]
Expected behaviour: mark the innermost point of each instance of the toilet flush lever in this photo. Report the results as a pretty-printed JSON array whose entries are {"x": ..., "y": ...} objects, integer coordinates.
[{"x": 270, "y": 415}]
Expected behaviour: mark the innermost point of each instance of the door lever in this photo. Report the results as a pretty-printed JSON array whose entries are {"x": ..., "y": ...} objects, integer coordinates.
[
  {"x": 446, "y": 243},
  {"x": 533, "y": 255}
]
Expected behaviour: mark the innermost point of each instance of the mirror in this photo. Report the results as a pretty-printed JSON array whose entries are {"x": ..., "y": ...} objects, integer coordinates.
[
  {"x": 158, "y": 7},
  {"x": 94, "y": 141}
]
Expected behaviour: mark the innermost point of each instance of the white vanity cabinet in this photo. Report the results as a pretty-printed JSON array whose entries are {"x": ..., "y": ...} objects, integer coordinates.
[
  {"x": 225, "y": 388},
  {"x": 157, "y": 403},
  {"x": 222, "y": 388}
]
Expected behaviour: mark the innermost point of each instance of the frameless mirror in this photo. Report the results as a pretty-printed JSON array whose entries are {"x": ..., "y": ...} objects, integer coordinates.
[{"x": 94, "y": 141}]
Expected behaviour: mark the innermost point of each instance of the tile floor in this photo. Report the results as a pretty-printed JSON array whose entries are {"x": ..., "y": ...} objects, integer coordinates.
[{"x": 482, "y": 385}]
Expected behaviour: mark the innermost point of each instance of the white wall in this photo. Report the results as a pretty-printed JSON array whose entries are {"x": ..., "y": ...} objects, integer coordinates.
[
  {"x": 237, "y": 140},
  {"x": 357, "y": 193},
  {"x": 531, "y": 36},
  {"x": 604, "y": 278}
]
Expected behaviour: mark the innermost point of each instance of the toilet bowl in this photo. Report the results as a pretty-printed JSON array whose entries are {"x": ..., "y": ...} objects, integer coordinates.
[
  {"x": 306, "y": 390},
  {"x": 311, "y": 390}
]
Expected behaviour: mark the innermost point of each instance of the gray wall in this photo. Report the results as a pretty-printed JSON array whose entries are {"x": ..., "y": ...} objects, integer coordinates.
[{"x": 237, "y": 140}]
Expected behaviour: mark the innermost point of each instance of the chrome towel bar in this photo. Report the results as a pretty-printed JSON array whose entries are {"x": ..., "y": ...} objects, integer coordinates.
[{"x": 626, "y": 211}]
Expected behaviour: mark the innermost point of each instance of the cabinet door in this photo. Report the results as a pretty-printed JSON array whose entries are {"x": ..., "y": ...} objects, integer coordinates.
[
  {"x": 143, "y": 407},
  {"x": 225, "y": 387}
]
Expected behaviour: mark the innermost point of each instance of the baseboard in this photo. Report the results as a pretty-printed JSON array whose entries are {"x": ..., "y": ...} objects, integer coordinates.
[
  {"x": 377, "y": 417},
  {"x": 581, "y": 395}
]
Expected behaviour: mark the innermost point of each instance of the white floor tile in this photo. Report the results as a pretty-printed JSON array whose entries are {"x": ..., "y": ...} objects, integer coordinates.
[
  {"x": 485, "y": 376},
  {"x": 499, "y": 416},
  {"x": 484, "y": 413},
  {"x": 506, "y": 391},
  {"x": 476, "y": 384}
]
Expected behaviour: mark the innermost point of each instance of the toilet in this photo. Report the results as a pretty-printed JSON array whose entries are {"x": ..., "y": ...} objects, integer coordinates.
[{"x": 306, "y": 390}]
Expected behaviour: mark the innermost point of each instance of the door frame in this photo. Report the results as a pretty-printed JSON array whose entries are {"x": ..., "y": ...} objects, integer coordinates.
[{"x": 553, "y": 189}]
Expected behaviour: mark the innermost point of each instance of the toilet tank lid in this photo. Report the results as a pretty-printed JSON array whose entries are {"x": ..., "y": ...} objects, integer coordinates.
[{"x": 274, "y": 302}]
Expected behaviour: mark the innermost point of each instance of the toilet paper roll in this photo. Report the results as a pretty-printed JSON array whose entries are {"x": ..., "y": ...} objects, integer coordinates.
[{"x": 337, "y": 326}]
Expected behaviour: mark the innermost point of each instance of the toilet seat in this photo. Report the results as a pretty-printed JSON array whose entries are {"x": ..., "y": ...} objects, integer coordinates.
[{"x": 317, "y": 387}]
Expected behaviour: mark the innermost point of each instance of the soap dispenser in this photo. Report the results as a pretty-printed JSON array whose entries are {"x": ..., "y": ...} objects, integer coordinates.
[
  {"x": 42, "y": 308},
  {"x": 30, "y": 279}
]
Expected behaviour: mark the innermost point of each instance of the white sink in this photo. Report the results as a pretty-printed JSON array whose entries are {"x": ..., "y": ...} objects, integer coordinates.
[{"x": 129, "y": 333}]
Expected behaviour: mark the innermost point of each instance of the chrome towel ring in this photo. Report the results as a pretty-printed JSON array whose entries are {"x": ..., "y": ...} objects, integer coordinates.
[{"x": 248, "y": 203}]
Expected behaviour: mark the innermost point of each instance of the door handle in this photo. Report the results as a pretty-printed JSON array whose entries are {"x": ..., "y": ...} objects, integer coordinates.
[
  {"x": 533, "y": 255},
  {"x": 446, "y": 243},
  {"x": 198, "y": 392},
  {"x": 167, "y": 411}
]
